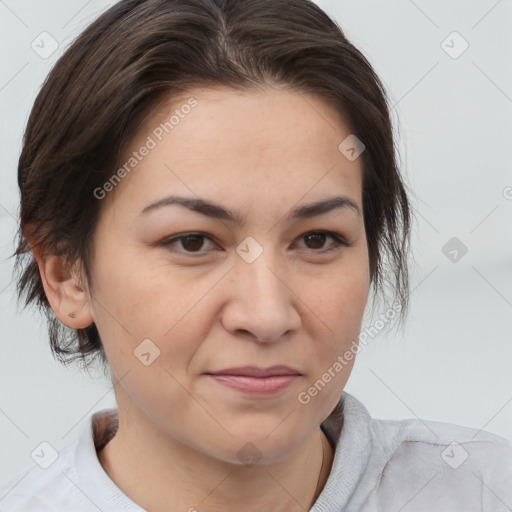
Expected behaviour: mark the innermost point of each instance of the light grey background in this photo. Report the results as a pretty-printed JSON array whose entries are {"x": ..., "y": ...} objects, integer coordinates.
[{"x": 452, "y": 362}]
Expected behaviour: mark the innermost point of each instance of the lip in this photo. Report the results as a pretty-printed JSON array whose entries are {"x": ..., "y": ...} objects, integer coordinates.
[
  {"x": 254, "y": 371},
  {"x": 257, "y": 382}
]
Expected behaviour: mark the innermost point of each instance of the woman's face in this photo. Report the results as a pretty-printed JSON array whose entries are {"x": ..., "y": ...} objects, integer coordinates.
[{"x": 257, "y": 289}]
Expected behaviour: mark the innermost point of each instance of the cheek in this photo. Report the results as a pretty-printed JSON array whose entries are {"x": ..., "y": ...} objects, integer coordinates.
[
  {"x": 173, "y": 307},
  {"x": 338, "y": 296},
  {"x": 134, "y": 302},
  {"x": 337, "y": 308}
]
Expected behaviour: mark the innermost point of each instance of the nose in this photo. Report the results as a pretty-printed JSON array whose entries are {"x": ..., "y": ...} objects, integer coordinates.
[{"x": 261, "y": 304}]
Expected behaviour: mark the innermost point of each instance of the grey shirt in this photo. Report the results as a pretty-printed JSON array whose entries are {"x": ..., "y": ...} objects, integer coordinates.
[{"x": 379, "y": 465}]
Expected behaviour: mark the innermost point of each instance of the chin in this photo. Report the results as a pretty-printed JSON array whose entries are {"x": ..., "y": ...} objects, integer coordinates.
[{"x": 263, "y": 449}]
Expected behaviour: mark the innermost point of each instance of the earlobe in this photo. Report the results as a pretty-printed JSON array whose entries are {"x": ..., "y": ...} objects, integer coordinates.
[{"x": 65, "y": 292}]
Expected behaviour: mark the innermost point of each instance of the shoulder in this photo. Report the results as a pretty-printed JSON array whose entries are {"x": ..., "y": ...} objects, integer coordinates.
[
  {"x": 70, "y": 480},
  {"x": 445, "y": 461},
  {"x": 448, "y": 440},
  {"x": 37, "y": 488},
  {"x": 417, "y": 464}
]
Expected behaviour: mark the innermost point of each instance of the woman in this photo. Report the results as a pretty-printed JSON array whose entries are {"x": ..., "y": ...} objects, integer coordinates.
[{"x": 209, "y": 193}]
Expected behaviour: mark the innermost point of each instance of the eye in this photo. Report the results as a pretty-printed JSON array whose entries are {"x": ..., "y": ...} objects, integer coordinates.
[
  {"x": 190, "y": 242},
  {"x": 316, "y": 240}
]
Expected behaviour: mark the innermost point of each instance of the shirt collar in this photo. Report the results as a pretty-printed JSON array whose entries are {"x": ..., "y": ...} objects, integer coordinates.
[
  {"x": 93, "y": 481},
  {"x": 347, "y": 427}
]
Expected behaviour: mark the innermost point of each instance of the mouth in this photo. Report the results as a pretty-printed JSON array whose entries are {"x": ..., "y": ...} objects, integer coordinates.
[
  {"x": 254, "y": 371},
  {"x": 263, "y": 382}
]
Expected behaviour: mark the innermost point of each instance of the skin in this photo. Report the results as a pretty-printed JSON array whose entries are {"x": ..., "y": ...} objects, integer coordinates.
[{"x": 260, "y": 153}]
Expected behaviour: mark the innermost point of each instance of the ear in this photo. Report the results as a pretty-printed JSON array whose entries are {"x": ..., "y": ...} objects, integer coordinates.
[{"x": 64, "y": 289}]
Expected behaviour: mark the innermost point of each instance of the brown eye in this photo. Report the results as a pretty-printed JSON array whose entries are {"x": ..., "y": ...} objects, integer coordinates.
[
  {"x": 192, "y": 243},
  {"x": 315, "y": 241},
  {"x": 189, "y": 243}
]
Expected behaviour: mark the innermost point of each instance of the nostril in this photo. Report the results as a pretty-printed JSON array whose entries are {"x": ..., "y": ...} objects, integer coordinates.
[{"x": 246, "y": 334}]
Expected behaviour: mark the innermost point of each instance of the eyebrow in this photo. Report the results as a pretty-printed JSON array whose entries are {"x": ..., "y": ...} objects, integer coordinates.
[{"x": 216, "y": 211}]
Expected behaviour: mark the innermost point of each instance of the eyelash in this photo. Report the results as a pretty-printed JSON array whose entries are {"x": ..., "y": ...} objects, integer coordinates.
[{"x": 338, "y": 242}]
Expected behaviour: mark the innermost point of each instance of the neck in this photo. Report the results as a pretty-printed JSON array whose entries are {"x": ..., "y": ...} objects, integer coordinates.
[{"x": 162, "y": 474}]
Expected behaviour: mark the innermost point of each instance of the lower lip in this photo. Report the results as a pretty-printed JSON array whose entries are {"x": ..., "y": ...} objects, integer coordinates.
[{"x": 263, "y": 386}]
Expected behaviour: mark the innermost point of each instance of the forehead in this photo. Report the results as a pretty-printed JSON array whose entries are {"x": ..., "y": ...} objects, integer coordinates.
[{"x": 257, "y": 145}]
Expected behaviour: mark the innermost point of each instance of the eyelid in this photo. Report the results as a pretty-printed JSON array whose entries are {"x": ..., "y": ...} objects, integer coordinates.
[
  {"x": 339, "y": 242},
  {"x": 166, "y": 242}
]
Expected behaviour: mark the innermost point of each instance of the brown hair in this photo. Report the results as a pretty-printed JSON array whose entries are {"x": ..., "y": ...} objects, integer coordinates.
[{"x": 139, "y": 51}]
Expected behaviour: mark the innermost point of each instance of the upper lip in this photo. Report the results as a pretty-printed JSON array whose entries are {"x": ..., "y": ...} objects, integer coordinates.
[{"x": 254, "y": 371}]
